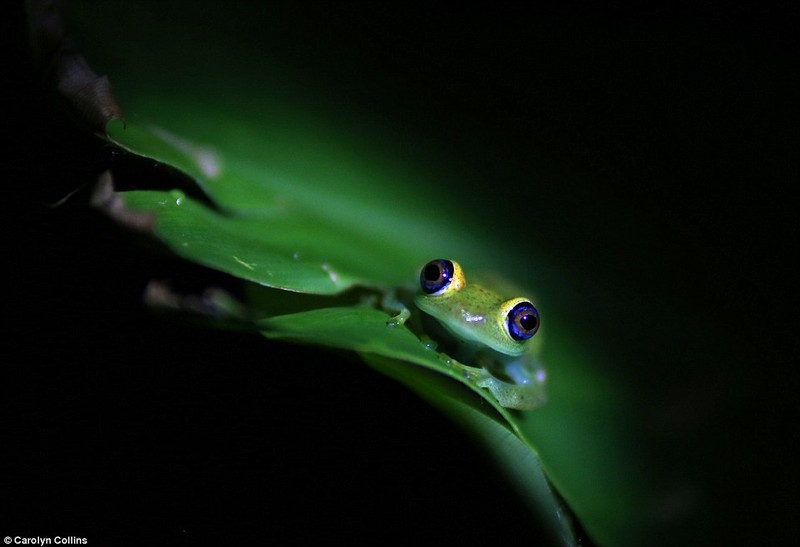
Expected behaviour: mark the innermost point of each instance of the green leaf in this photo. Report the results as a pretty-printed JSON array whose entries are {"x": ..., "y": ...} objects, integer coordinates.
[
  {"x": 390, "y": 349},
  {"x": 520, "y": 463},
  {"x": 301, "y": 200},
  {"x": 286, "y": 250}
]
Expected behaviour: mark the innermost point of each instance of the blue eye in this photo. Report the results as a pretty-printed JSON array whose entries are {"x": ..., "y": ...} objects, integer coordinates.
[
  {"x": 523, "y": 321},
  {"x": 436, "y": 275}
]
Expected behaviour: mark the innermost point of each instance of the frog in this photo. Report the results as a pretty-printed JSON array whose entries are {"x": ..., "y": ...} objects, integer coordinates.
[{"x": 484, "y": 329}]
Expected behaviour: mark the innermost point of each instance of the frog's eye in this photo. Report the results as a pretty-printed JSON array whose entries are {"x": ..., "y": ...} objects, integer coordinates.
[
  {"x": 523, "y": 321},
  {"x": 440, "y": 275}
]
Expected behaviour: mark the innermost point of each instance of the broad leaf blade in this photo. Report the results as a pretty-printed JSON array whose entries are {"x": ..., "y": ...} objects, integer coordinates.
[{"x": 292, "y": 195}]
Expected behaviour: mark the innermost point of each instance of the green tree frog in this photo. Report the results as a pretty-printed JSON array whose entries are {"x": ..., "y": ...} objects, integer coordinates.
[{"x": 483, "y": 329}]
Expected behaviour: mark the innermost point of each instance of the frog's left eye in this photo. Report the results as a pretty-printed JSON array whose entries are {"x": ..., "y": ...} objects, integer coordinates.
[
  {"x": 439, "y": 276},
  {"x": 523, "y": 321}
]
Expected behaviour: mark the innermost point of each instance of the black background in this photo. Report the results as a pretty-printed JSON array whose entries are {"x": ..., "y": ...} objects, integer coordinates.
[{"x": 121, "y": 425}]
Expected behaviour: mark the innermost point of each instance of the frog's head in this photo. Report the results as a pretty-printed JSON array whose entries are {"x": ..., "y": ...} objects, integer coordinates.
[{"x": 475, "y": 313}]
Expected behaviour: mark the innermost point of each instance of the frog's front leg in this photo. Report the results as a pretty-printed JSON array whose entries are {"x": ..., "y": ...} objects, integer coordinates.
[
  {"x": 526, "y": 389},
  {"x": 392, "y": 304}
]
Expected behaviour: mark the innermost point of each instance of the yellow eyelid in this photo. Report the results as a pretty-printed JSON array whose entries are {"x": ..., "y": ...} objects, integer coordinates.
[{"x": 502, "y": 316}]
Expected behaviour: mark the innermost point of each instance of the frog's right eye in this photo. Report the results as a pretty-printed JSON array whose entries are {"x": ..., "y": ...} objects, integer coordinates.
[
  {"x": 440, "y": 276},
  {"x": 523, "y": 321}
]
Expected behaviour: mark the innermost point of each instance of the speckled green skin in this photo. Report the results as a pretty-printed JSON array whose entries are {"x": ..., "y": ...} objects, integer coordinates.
[{"x": 475, "y": 314}]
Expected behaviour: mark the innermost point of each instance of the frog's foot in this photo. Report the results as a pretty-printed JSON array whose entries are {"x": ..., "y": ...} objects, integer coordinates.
[
  {"x": 392, "y": 304},
  {"x": 526, "y": 391},
  {"x": 516, "y": 396},
  {"x": 400, "y": 319}
]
